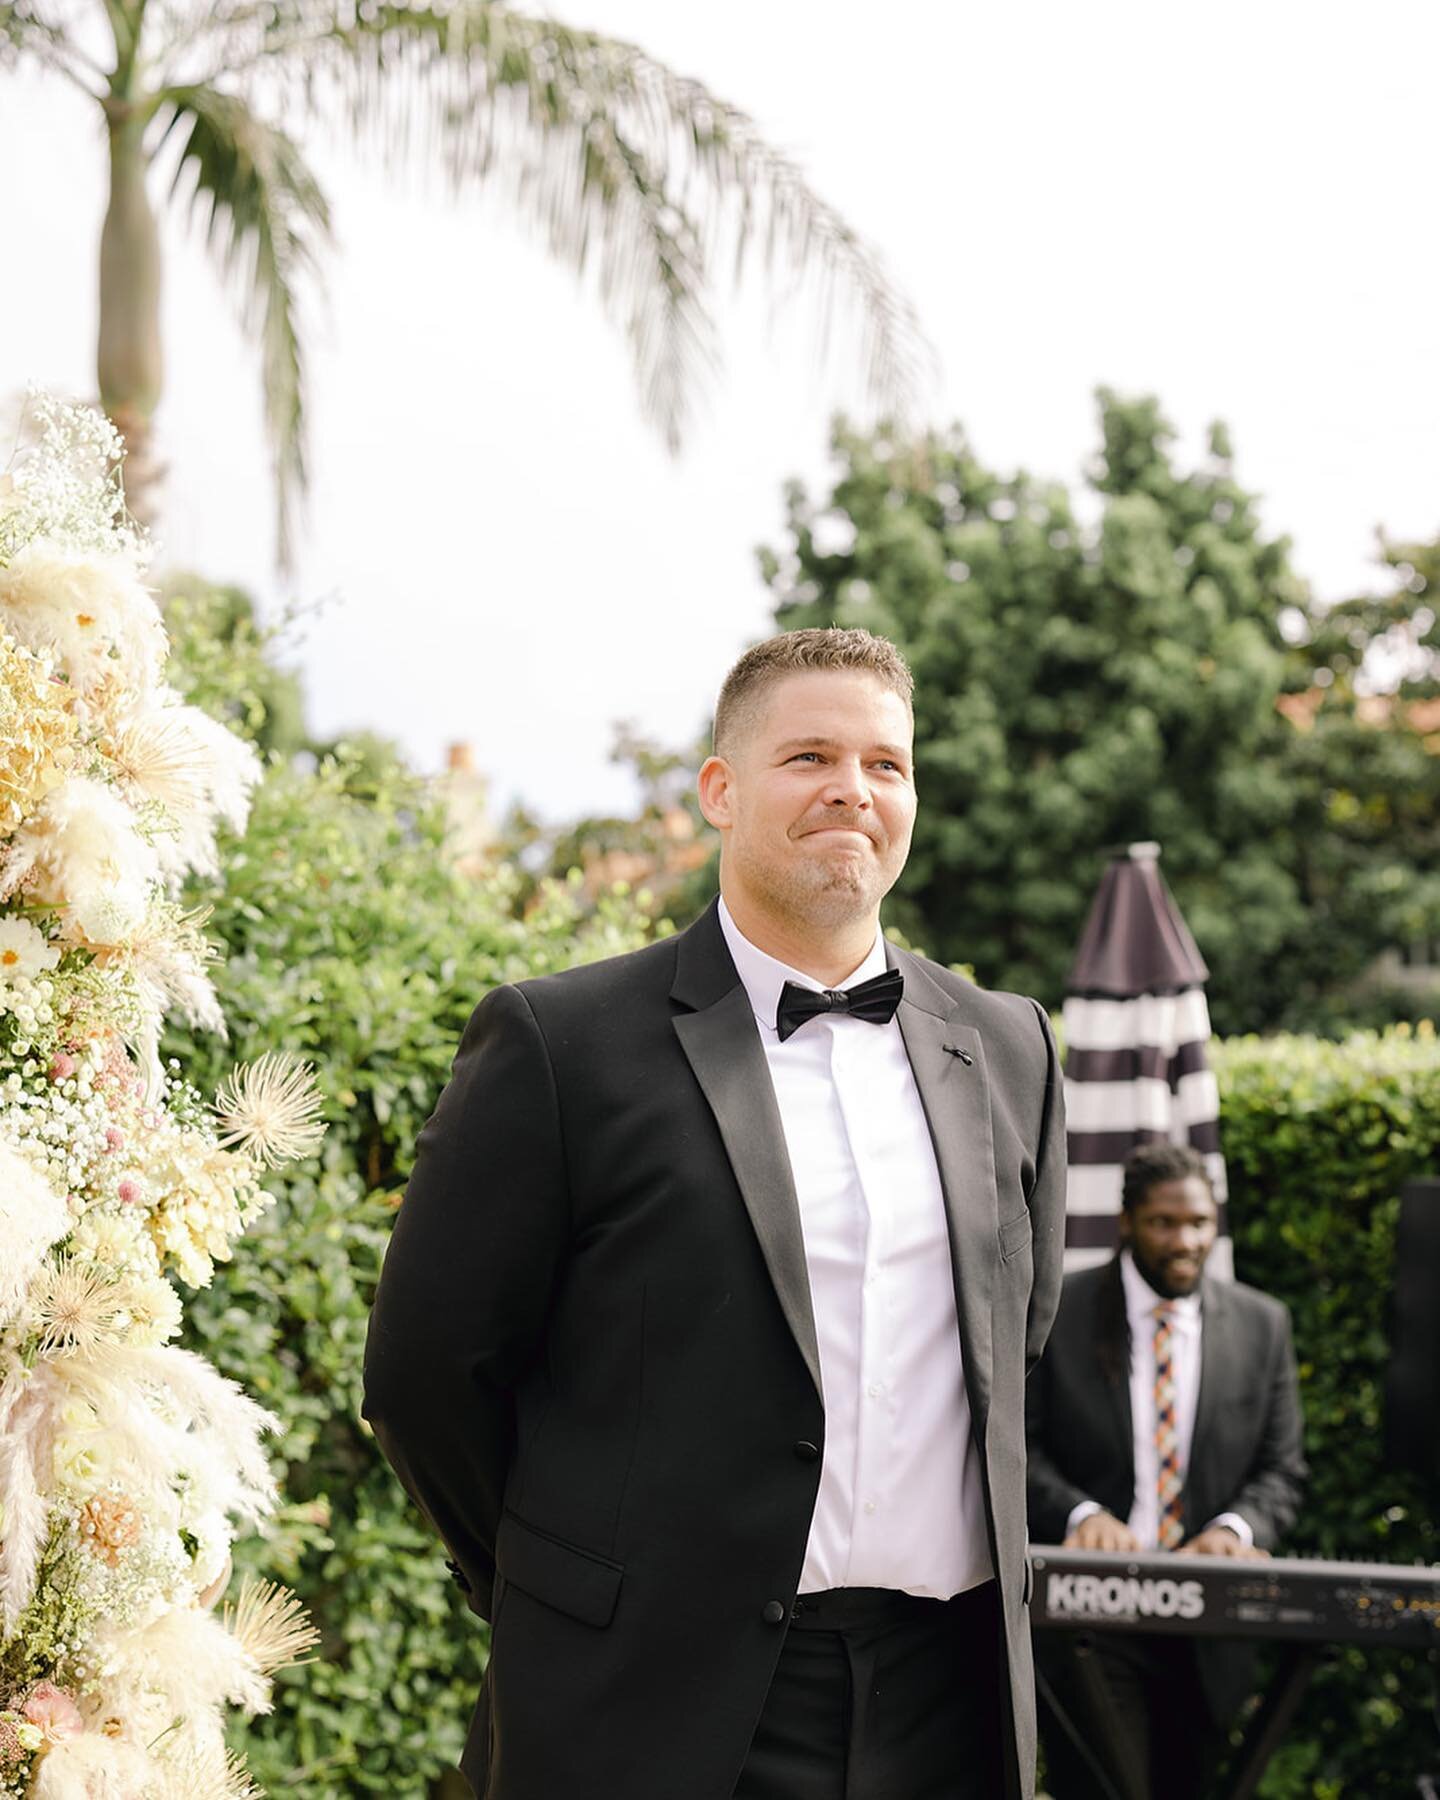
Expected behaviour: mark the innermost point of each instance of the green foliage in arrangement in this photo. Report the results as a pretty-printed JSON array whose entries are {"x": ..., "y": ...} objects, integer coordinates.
[
  {"x": 351, "y": 941},
  {"x": 1319, "y": 1138},
  {"x": 1098, "y": 671}
]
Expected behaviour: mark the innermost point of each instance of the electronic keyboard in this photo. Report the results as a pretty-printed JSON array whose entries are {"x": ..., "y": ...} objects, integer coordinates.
[{"x": 1230, "y": 1596}]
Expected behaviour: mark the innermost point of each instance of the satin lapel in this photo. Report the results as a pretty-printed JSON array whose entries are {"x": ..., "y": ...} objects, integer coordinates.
[
  {"x": 956, "y": 1098},
  {"x": 728, "y": 1058}
]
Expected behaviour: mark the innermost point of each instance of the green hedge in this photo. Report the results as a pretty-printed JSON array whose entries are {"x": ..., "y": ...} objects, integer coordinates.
[{"x": 1319, "y": 1138}]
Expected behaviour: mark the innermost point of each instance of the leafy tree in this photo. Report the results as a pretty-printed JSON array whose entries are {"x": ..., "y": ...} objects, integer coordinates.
[
  {"x": 1364, "y": 770},
  {"x": 1098, "y": 672},
  {"x": 619, "y": 163},
  {"x": 228, "y": 659}
]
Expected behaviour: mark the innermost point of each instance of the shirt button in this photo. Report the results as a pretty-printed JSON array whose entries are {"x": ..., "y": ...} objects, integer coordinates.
[
  {"x": 872, "y": 1506},
  {"x": 806, "y": 1451},
  {"x": 875, "y": 1390},
  {"x": 773, "y": 1612}
]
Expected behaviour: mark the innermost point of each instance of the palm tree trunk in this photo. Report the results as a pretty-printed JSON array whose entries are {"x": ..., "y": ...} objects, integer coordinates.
[{"x": 129, "y": 363}]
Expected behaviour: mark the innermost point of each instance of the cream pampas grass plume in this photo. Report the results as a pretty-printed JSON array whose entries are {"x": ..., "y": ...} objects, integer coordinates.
[
  {"x": 92, "y": 1767},
  {"x": 187, "y": 1658},
  {"x": 167, "y": 1409},
  {"x": 269, "y": 1110},
  {"x": 207, "y": 1775},
  {"x": 27, "y": 1444},
  {"x": 178, "y": 757},
  {"x": 90, "y": 612},
  {"x": 32, "y": 1218},
  {"x": 83, "y": 854}
]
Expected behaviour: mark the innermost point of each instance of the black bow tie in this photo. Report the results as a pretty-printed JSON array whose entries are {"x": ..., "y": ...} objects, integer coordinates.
[{"x": 874, "y": 1001}]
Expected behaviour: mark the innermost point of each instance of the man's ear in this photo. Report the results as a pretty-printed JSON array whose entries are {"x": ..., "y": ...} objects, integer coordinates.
[
  {"x": 713, "y": 789},
  {"x": 1122, "y": 1225}
]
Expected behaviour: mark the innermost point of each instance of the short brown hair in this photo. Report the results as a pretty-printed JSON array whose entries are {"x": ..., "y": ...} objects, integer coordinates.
[{"x": 793, "y": 652}]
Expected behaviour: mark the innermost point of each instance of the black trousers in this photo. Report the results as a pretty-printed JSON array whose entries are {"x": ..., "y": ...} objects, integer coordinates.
[
  {"x": 883, "y": 1696},
  {"x": 1137, "y": 1705}
]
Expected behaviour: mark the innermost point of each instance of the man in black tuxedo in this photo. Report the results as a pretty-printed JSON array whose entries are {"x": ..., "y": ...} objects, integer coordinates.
[
  {"x": 703, "y": 1334},
  {"x": 1166, "y": 1415}
]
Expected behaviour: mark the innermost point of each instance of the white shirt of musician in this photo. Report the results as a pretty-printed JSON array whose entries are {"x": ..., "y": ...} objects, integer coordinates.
[
  {"x": 900, "y": 1502},
  {"x": 1187, "y": 1325}
]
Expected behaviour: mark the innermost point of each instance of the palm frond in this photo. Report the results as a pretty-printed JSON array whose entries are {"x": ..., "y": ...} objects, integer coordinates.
[
  {"x": 28, "y": 29},
  {"x": 624, "y": 166},
  {"x": 266, "y": 220}
]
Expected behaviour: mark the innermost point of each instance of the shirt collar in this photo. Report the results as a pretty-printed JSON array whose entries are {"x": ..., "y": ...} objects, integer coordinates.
[
  {"x": 764, "y": 975},
  {"x": 1141, "y": 1299}
]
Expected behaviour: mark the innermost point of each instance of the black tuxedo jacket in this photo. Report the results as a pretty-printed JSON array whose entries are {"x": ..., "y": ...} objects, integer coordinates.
[
  {"x": 1245, "y": 1456},
  {"x": 592, "y": 1359}
]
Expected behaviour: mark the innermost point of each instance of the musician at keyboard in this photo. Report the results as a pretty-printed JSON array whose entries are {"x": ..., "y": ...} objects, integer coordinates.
[{"x": 1164, "y": 1415}]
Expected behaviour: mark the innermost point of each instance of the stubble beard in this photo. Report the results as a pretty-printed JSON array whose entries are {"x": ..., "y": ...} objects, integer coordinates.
[{"x": 824, "y": 894}]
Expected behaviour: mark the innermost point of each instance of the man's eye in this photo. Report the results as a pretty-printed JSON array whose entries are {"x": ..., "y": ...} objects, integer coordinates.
[{"x": 804, "y": 755}]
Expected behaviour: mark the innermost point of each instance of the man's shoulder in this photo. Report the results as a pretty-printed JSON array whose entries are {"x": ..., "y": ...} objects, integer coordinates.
[
  {"x": 1091, "y": 1279},
  {"x": 1252, "y": 1303},
  {"x": 609, "y": 979},
  {"x": 1081, "y": 1288}
]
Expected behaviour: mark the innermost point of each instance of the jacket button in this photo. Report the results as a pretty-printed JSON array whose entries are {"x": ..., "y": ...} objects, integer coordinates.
[
  {"x": 806, "y": 1451},
  {"x": 773, "y": 1612}
]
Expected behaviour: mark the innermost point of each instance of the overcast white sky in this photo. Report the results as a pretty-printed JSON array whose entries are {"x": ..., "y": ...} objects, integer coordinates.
[{"x": 1232, "y": 206}]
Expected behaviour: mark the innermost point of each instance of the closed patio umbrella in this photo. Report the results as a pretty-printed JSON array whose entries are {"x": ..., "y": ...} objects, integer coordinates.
[{"x": 1136, "y": 1027}]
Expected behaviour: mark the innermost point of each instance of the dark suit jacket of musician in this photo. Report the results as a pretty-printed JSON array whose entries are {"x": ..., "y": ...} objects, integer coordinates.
[
  {"x": 1245, "y": 1455},
  {"x": 592, "y": 1359}
]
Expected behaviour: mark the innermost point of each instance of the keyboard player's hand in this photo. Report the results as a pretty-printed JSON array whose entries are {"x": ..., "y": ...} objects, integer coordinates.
[
  {"x": 1219, "y": 1540},
  {"x": 1102, "y": 1531}
]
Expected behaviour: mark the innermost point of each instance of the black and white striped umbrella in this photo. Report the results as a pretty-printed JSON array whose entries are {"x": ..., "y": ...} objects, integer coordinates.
[{"x": 1136, "y": 1027}]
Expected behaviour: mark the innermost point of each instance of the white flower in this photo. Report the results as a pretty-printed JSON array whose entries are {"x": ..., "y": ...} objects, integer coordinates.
[
  {"x": 114, "y": 1239},
  {"x": 153, "y": 1308},
  {"x": 23, "y": 950},
  {"x": 74, "y": 1307},
  {"x": 83, "y": 852},
  {"x": 271, "y": 1625},
  {"x": 270, "y": 1110}
]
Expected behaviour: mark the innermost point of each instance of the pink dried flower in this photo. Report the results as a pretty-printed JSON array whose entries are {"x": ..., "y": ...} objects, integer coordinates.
[
  {"x": 12, "y": 1751},
  {"x": 114, "y": 1138},
  {"x": 52, "y": 1709},
  {"x": 62, "y": 1066},
  {"x": 129, "y": 1191}
]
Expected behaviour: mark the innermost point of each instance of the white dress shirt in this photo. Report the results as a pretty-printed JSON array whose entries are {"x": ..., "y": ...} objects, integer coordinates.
[
  {"x": 1186, "y": 1328},
  {"x": 900, "y": 1502}
]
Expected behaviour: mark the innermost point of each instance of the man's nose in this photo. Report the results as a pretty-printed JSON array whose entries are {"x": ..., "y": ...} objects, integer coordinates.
[{"x": 847, "y": 786}]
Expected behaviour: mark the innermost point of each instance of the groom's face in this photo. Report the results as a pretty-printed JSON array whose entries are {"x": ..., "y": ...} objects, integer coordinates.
[{"x": 816, "y": 800}]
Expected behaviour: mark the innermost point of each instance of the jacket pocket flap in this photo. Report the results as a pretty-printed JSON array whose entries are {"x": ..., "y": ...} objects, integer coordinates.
[
  {"x": 1014, "y": 1235},
  {"x": 571, "y": 1580}
]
